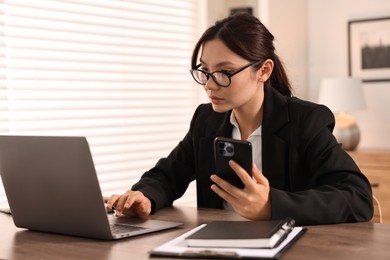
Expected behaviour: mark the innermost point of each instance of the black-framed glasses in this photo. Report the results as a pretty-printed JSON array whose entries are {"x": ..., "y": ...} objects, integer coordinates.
[{"x": 222, "y": 78}]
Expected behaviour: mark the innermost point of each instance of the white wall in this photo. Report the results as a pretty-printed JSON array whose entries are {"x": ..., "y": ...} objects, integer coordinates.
[
  {"x": 219, "y": 9},
  {"x": 287, "y": 21},
  {"x": 328, "y": 56}
]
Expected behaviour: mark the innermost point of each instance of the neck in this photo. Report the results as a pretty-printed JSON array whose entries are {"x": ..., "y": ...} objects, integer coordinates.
[{"x": 249, "y": 118}]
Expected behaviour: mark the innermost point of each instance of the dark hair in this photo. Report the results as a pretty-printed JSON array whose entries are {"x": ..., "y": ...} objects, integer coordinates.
[{"x": 246, "y": 36}]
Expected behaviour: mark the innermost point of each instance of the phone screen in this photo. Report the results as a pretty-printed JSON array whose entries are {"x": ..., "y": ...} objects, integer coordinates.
[{"x": 226, "y": 149}]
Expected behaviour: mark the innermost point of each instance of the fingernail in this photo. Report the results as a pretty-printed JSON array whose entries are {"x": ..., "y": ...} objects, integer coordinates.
[{"x": 231, "y": 162}]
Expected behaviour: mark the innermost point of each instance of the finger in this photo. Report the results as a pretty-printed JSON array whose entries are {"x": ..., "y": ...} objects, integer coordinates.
[
  {"x": 258, "y": 176},
  {"x": 225, "y": 190},
  {"x": 109, "y": 208},
  {"x": 112, "y": 200},
  {"x": 242, "y": 174},
  {"x": 130, "y": 200},
  {"x": 137, "y": 204},
  {"x": 220, "y": 191},
  {"x": 223, "y": 184},
  {"x": 125, "y": 202},
  {"x": 135, "y": 198}
]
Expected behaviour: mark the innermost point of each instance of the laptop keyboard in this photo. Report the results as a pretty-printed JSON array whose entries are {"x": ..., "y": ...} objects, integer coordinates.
[{"x": 119, "y": 229}]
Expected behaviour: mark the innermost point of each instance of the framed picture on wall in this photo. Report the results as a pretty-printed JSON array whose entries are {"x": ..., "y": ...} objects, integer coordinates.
[{"x": 369, "y": 49}]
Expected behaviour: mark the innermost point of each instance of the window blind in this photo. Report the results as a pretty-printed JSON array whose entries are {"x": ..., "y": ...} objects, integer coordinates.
[{"x": 113, "y": 71}]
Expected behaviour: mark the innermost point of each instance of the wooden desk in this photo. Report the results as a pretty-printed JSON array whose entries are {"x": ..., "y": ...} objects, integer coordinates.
[
  {"x": 343, "y": 241},
  {"x": 375, "y": 164}
]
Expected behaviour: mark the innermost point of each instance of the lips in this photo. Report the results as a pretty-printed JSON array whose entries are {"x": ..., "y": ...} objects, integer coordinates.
[{"x": 216, "y": 100}]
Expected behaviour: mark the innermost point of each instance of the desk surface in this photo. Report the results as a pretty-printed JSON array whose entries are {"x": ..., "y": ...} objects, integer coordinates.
[{"x": 342, "y": 241}]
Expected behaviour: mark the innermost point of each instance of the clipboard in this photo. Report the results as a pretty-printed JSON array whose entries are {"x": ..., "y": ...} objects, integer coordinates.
[{"x": 178, "y": 248}]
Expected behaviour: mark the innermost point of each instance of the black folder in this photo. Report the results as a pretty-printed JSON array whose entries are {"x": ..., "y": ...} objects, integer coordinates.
[{"x": 242, "y": 234}]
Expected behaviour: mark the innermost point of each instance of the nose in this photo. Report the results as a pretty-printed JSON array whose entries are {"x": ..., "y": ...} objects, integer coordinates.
[{"x": 211, "y": 85}]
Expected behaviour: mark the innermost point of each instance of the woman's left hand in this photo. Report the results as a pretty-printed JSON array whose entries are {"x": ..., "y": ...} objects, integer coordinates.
[{"x": 252, "y": 202}]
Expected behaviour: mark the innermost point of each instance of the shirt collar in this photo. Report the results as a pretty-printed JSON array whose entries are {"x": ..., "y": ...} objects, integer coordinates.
[{"x": 234, "y": 122}]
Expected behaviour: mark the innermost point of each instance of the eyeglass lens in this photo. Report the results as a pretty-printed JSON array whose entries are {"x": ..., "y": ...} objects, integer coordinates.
[{"x": 219, "y": 77}]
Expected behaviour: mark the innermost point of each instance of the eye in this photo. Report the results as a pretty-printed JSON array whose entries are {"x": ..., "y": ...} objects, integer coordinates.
[{"x": 226, "y": 71}]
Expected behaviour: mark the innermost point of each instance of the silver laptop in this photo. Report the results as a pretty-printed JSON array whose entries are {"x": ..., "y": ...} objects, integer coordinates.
[{"x": 51, "y": 186}]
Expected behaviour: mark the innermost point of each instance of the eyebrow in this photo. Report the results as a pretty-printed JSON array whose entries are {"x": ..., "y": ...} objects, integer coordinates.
[{"x": 222, "y": 63}]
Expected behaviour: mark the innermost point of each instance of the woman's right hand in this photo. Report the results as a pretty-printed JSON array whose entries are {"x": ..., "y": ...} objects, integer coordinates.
[{"x": 131, "y": 203}]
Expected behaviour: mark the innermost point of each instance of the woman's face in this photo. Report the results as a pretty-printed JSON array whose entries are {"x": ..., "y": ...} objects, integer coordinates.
[{"x": 246, "y": 88}]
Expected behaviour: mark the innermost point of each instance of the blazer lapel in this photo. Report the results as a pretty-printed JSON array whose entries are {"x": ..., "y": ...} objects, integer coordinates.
[
  {"x": 274, "y": 143},
  {"x": 216, "y": 127}
]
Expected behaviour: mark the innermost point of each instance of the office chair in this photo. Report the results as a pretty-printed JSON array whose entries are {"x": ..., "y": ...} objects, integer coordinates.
[{"x": 377, "y": 217}]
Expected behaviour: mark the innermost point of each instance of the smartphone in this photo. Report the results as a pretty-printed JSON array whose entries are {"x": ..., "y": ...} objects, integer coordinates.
[{"x": 240, "y": 151}]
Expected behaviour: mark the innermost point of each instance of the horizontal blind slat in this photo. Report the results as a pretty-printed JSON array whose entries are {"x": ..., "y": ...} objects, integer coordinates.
[
  {"x": 113, "y": 71},
  {"x": 110, "y": 8}
]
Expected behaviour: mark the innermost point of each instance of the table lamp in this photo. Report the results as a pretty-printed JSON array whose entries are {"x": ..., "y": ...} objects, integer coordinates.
[{"x": 343, "y": 95}]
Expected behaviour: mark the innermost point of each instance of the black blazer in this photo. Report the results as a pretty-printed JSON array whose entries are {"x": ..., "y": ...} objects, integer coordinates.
[{"x": 312, "y": 179}]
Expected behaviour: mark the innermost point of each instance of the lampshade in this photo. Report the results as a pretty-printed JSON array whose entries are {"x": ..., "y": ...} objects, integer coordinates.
[{"x": 342, "y": 94}]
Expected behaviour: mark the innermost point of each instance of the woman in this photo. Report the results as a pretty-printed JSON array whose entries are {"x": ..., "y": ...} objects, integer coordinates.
[{"x": 304, "y": 172}]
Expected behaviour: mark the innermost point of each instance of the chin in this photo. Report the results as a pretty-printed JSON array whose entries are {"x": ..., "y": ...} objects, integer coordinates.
[{"x": 220, "y": 109}]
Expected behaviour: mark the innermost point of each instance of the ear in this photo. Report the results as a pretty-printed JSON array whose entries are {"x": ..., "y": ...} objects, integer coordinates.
[{"x": 266, "y": 70}]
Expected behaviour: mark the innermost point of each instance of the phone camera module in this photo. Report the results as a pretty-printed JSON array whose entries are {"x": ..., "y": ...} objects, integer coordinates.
[{"x": 228, "y": 149}]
